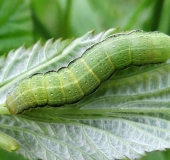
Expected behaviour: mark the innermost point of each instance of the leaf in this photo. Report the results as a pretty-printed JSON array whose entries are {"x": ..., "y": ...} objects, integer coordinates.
[
  {"x": 164, "y": 20},
  {"x": 127, "y": 116},
  {"x": 23, "y": 63},
  {"x": 15, "y": 25},
  {"x": 8, "y": 143}
]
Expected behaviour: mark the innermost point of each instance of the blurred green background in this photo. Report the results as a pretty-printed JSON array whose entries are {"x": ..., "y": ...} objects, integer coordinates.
[{"x": 27, "y": 21}]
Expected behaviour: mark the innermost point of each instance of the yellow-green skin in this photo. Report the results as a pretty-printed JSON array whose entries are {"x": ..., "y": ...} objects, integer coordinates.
[
  {"x": 85, "y": 74},
  {"x": 8, "y": 143}
]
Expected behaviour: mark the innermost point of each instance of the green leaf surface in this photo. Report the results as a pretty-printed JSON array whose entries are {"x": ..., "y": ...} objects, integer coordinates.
[
  {"x": 127, "y": 116},
  {"x": 15, "y": 28}
]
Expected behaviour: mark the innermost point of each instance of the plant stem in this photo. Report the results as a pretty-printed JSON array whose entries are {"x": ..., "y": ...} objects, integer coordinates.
[
  {"x": 156, "y": 15},
  {"x": 66, "y": 18},
  {"x": 3, "y": 109}
]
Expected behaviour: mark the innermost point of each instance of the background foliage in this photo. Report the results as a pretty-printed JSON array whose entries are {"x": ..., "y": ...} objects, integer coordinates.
[{"x": 27, "y": 21}]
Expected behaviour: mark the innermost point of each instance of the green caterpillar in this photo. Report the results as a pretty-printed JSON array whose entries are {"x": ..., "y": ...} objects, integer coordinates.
[{"x": 84, "y": 75}]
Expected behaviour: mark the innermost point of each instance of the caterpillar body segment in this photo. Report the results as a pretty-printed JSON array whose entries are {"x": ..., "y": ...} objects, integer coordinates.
[{"x": 85, "y": 74}]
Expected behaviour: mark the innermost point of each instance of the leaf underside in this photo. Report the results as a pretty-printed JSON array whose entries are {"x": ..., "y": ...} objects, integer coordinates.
[{"x": 127, "y": 116}]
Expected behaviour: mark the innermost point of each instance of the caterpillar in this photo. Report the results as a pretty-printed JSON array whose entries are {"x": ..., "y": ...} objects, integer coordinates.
[{"x": 84, "y": 75}]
